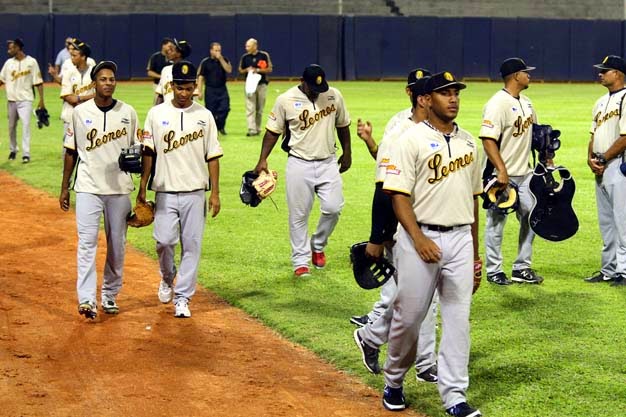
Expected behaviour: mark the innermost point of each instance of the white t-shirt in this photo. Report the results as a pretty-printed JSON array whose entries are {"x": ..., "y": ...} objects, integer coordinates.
[
  {"x": 20, "y": 76},
  {"x": 75, "y": 82},
  {"x": 441, "y": 175},
  {"x": 99, "y": 137},
  {"x": 183, "y": 140},
  {"x": 309, "y": 127}
]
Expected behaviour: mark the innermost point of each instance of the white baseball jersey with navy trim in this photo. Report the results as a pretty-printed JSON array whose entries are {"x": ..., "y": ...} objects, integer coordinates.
[
  {"x": 68, "y": 65},
  {"x": 440, "y": 172},
  {"x": 310, "y": 126},
  {"x": 397, "y": 118},
  {"x": 165, "y": 84},
  {"x": 607, "y": 125},
  {"x": 509, "y": 121},
  {"x": 99, "y": 137},
  {"x": 75, "y": 82},
  {"x": 383, "y": 155},
  {"x": 183, "y": 140},
  {"x": 20, "y": 76}
]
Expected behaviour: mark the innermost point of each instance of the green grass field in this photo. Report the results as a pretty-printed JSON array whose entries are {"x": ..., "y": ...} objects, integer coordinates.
[{"x": 552, "y": 350}]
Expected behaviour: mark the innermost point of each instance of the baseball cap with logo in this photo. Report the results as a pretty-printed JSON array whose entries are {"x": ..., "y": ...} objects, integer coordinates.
[
  {"x": 512, "y": 65},
  {"x": 102, "y": 65},
  {"x": 415, "y": 75},
  {"x": 315, "y": 77},
  {"x": 183, "y": 47},
  {"x": 183, "y": 72},
  {"x": 612, "y": 62},
  {"x": 442, "y": 80},
  {"x": 82, "y": 47},
  {"x": 17, "y": 41}
]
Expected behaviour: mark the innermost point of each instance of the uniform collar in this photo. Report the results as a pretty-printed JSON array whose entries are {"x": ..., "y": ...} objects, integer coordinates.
[{"x": 454, "y": 132}]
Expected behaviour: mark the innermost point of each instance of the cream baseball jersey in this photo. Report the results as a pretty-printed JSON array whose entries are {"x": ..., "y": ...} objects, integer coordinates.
[
  {"x": 99, "y": 137},
  {"x": 309, "y": 128},
  {"x": 440, "y": 172},
  {"x": 165, "y": 84},
  {"x": 397, "y": 118},
  {"x": 75, "y": 82},
  {"x": 20, "y": 77},
  {"x": 383, "y": 155},
  {"x": 608, "y": 122},
  {"x": 68, "y": 65},
  {"x": 183, "y": 140},
  {"x": 509, "y": 121}
]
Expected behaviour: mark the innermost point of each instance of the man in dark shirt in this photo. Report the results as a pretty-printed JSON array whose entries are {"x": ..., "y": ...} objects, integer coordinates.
[
  {"x": 212, "y": 73},
  {"x": 158, "y": 60},
  {"x": 259, "y": 62}
]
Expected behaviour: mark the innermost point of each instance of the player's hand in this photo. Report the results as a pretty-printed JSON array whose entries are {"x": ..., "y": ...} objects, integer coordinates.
[
  {"x": 64, "y": 200},
  {"x": 364, "y": 130},
  {"x": 345, "y": 162},
  {"x": 141, "y": 197},
  {"x": 261, "y": 166},
  {"x": 427, "y": 250},
  {"x": 502, "y": 179},
  {"x": 214, "y": 204},
  {"x": 595, "y": 165},
  {"x": 52, "y": 70},
  {"x": 374, "y": 250}
]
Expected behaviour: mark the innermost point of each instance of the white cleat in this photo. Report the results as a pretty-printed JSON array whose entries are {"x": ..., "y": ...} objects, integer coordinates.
[
  {"x": 182, "y": 309},
  {"x": 166, "y": 293}
]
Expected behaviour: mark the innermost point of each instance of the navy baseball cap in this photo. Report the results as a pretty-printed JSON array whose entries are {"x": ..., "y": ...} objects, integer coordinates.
[
  {"x": 612, "y": 62},
  {"x": 315, "y": 77},
  {"x": 419, "y": 87},
  {"x": 183, "y": 47},
  {"x": 82, "y": 47},
  {"x": 442, "y": 80},
  {"x": 102, "y": 65},
  {"x": 17, "y": 41},
  {"x": 513, "y": 65},
  {"x": 417, "y": 74},
  {"x": 183, "y": 72}
]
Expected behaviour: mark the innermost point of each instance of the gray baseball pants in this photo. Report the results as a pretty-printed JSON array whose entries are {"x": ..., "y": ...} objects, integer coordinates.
[
  {"x": 254, "y": 108},
  {"x": 611, "y": 202},
  {"x": 19, "y": 110}
]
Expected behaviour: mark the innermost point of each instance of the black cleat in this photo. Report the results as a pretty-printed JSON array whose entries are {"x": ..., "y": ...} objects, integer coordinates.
[
  {"x": 598, "y": 277},
  {"x": 360, "y": 321},
  {"x": 11, "y": 156},
  {"x": 618, "y": 281},
  {"x": 393, "y": 399},
  {"x": 527, "y": 276},
  {"x": 429, "y": 375},
  {"x": 463, "y": 410},
  {"x": 368, "y": 354},
  {"x": 500, "y": 278}
]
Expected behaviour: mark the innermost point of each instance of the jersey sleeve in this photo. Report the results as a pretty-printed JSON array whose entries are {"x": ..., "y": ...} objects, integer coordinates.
[
  {"x": 59, "y": 59},
  {"x": 135, "y": 132},
  {"x": 148, "y": 131},
  {"x": 151, "y": 66},
  {"x": 66, "y": 84},
  {"x": 36, "y": 73},
  {"x": 160, "y": 88},
  {"x": 477, "y": 181},
  {"x": 401, "y": 170},
  {"x": 342, "y": 118},
  {"x": 69, "y": 140},
  {"x": 622, "y": 117},
  {"x": 491, "y": 127},
  {"x": 277, "y": 118},
  {"x": 202, "y": 68},
  {"x": 214, "y": 149}
]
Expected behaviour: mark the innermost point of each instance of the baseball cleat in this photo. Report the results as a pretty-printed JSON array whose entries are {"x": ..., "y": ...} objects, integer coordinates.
[
  {"x": 109, "y": 306},
  {"x": 319, "y": 259},
  {"x": 393, "y": 399},
  {"x": 369, "y": 355},
  {"x": 500, "y": 278},
  {"x": 598, "y": 277},
  {"x": 166, "y": 293},
  {"x": 360, "y": 321},
  {"x": 463, "y": 410},
  {"x": 302, "y": 271},
  {"x": 429, "y": 375},
  {"x": 88, "y": 309},
  {"x": 527, "y": 276},
  {"x": 182, "y": 309},
  {"x": 618, "y": 281}
]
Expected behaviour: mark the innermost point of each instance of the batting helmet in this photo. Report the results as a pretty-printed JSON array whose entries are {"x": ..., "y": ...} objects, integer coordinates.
[
  {"x": 369, "y": 273},
  {"x": 504, "y": 200}
]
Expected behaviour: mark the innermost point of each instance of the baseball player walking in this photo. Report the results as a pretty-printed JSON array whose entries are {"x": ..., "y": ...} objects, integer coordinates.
[
  {"x": 506, "y": 133},
  {"x": 306, "y": 116},
  {"x": 21, "y": 74},
  {"x": 175, "y": 52},
  {"x": 100, "y": 128},
  {"x": 375, "y": 325},
  {"x": 605, "y": 158},
  {"x": 180, "y": 138},
  {"x": 434, "y": 178},
  {"x": 259, "y": 62}
]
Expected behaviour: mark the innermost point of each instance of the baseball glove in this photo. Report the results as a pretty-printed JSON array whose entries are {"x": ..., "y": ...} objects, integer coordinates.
[
  {"x": 130, "y": 159},
  {"x": 247, "y": 192},
  {"x": 43, "y": 118},
  {"x": 478, "y": 274},
  {"x": 265, "y": 184},
  {"x": 369, "y": 273},
  {"x": 143, "y": 215}
]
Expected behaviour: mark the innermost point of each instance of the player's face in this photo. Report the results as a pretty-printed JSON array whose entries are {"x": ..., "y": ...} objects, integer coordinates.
[
  {"x": 523, "y": 79},
  {"x": 165, "y": 48},
  {"x": 183, "y": 94},
  {"x": 76, "y": 57},
  {"x": 312, "y": 95},
  {"x": 12, "y": 49},
  {"x": 170, "y": 51},
  {"x": 250, "y": 47},
  {"x": 608, "y": 77},
  {"x": 105, "y": 83},
  {"x": 216, "y": 51},
  {"x": 444, "y": 104}
]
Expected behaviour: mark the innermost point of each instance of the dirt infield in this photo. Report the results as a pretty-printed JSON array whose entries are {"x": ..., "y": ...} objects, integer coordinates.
[{"x": 143, "y": 362}]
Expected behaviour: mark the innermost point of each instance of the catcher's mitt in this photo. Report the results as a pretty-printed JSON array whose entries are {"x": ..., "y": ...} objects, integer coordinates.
[
  {"x": 247, "y": 192},
  {"x": 478, "y": 274},
  {"x": 43, "y": 118},
  {"x": 265, "y": 184},
  {"x": 143, "y": 215},
  {"x": 130, "y": 159},
  {"x": 369, "y": 273}
]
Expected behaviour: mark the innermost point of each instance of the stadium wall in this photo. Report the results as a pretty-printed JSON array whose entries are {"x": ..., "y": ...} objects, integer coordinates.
[{"x": 348, "y": 47}]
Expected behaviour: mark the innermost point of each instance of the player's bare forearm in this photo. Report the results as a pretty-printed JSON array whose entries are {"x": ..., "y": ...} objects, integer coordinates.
[
  {"x": 269, "y": 141},
  {"x": 493, "y": 153},
  {"x": 228, "y": 68},
  {"x": 475, "y": 228},
  {"x": 69, "y": 162},
  {"x": 159, "y": 99},
  {"x": 345, "y": 160},
  {"x": 214, "y": 177},
  {"x": 425, "y": 247},
  {"x": 616, "y": 149},
  {"x": 146, "y": 169},
  {"x": 364, "y": 131},
  {"x": 40, "y": 91}
]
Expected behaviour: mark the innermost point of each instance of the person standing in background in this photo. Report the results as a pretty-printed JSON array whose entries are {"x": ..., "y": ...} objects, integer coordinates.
[
  {"x": 257, "y": 62},
  {"x": 212, "y": 73}
]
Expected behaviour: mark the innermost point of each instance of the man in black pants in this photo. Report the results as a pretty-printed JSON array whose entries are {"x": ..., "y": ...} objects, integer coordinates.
[{"x": 212, "y": 71}]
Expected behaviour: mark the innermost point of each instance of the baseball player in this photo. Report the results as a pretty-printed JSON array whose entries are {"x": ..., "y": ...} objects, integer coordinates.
[
  {"x": 67, "y": 64},
  {"x": 506, "y": 133},
  {"x": 182, "y": 136},
  {"x": 306, "y": 116},
  {"x": 77, "y": 85},
  {"x": 375, "y": 324},
  {"x": 605, "y": 158},
  {"x": 434, "y": 178},
  {"x": 258, "y": 62},
  {"x": 179, "y": 51},
  {"x": 100, "y": 128},
  {"x": 21, "y": 74}
]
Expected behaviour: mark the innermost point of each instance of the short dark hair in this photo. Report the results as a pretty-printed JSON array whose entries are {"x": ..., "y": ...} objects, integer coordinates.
[
  {"x": 165, "y": 41},
  {"x": 212, "y": 44}
]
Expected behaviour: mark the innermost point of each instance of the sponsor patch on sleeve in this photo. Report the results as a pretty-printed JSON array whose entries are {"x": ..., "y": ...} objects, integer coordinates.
[
  {"x": 393, "y": 170},
  {"x": 272, "y": 116},
  {"x": 69, "y": 132},
  {"x": 146, "y": 135},
  {"x": 487, "y": 123}
]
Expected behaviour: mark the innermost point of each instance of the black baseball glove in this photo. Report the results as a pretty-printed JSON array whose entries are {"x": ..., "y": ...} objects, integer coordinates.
[
  {"x": 43, "y": 118},
  {"x": 369, "y": 273},
  {"x": 248, "y": 192},
  {"x": 130, "y": 159}
]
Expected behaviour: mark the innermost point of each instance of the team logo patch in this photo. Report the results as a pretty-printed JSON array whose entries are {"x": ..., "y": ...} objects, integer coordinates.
[
  {"x": 318, "y": 80},
  {"x": 393, "y": 170},
  {"x": 272, "y": 116},
  {"x": 419, "y": 74},
  {"x": 125, "y": 121},
  {"x": 69, "y": 132},
  {"x": 330, "y": 98},
  {"x": 487, "y": 123},
  {"x": 469, "y": 143},
  {"x": 146, "y": 135},
  {"x": 606, "y": 58},
  {"x": 297, "y": 105},
  {"x": 434, "y": 145},
  {"x": 185, "y": 69},
  {"x": 384, "y": 163},
  {"x": 514, "y": 108},
  {"x": 88, "y": 122},
  {"x": 448, "y": 76},
  {"x": 165, "y": 123}
]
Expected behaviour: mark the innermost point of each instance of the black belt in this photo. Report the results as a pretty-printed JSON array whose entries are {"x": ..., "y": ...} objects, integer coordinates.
[{"x": 437, "y": 228}]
